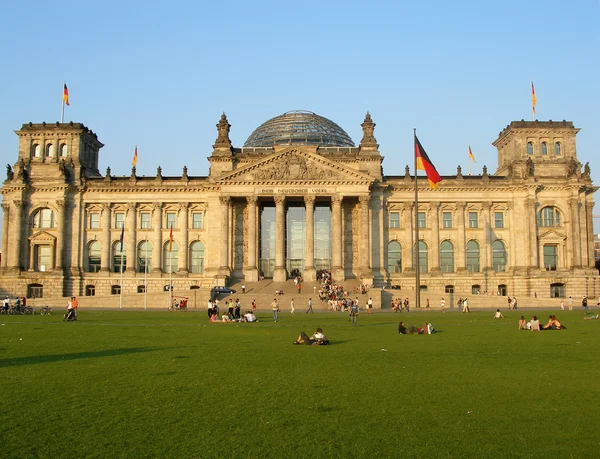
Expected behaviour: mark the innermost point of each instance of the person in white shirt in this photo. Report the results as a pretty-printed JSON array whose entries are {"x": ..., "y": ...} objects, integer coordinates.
[
  {"x": 292, "y": 305},
  {"x": 443, "y": 304},
  {"x": 498, "y": 314}
]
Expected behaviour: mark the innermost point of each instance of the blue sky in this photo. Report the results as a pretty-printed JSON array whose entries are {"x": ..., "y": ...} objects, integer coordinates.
[{"x": 160, "y": 76}]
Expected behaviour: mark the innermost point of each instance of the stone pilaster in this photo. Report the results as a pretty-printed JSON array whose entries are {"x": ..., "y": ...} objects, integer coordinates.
[
  {"x": 183, "y": 238},
  {"x": 251, "y": 270},
  {"x": 5, "y": 222},
  {"x": 575, "y": 232},
  {"x": 106, "y": 239},
  {"x": 224, "y": 270},
  {"x": 130, "y": 236},
  {"x": 530, "y": 208},
  {"x": 337, "y": 270},
  {"x": 408, "y": 260},
  {"x": 434, "y": 208},
  {"x": 279, "y": 273},
  {"x": 487, "y": 234},
  {"x": 60, "y": 234},
  {"x": 156, "y": 237},
  {"x": 590, "y": 233},
  {"x": 461, "y": 252},
  {"x": 310, "y": 272}
]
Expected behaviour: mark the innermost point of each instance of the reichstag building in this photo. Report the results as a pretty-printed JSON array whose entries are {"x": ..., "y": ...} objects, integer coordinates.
[{"x": 298, "y": 197}]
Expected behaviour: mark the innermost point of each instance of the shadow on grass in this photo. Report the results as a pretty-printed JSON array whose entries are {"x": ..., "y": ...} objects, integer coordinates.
[{"x": 37, "y": 359}]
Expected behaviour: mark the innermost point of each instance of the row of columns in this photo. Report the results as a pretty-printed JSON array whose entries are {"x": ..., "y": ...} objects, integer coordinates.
[{"x": 251, "y": 271}]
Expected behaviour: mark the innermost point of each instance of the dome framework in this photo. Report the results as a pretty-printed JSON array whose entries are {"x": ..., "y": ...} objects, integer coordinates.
[{"x": 299, "y": 127}]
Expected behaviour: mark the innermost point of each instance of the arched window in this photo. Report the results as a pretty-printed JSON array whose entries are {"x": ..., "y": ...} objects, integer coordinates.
[
  {"x": 447, "y": 257},
  {"x": 197, "y": 258},
  {"x": 94, "y": 254},
  {"x": 473, "y": 257},
  {"x": 394, "y": 257},
  {"x": 36, "y": 150},
  {"x": 544, "y": 148},
  {"x": 423, "y": 257},
  {"x": 44, "y": 218},
  {"x": 50, "y": 150},
  {"x": 64, "y": 149},
  {"x": 144, "y": 257},
  {"x": 530, "y": 148},
  {"x": 548, "y": 216},
  {"x": 557, "y": 150},
  {"x": 499, "y": 256},
  {"x": 119, "y": 257},
  {"x": 170, "y": 258}
]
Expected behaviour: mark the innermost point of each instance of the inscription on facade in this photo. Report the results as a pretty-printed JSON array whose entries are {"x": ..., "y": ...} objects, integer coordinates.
[{"x": 289, "y": 191}]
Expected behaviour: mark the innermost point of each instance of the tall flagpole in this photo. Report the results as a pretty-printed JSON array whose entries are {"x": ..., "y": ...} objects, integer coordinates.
[
  {"x": 417, "y": 267},
  {"x": 170, "y": 277},
  {"x": 62, "y": 111},
  {"x": 146, "y": 273},
  {"x": 121, "y": 289}
]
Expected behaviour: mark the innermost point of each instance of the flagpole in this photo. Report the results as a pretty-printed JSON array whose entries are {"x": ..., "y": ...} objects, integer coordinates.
[
  {"x": 170, "y": 279},
  {"x": 121, "y": 289},
  {"x": 417, "y": 267},
  {"x": 62, "y": 110},
  {"x": 146, "y": 273}
]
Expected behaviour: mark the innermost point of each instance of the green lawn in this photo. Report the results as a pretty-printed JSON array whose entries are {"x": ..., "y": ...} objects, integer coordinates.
[{"x": 158, "y": 384}]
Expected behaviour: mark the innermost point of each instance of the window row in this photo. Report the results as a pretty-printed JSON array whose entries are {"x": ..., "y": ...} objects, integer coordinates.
[
  {"x": 49, "y": 150},
  {"x": 145, "y": 220},
  {"x": 544, "y": 149},
  {"x": 447, "y": 220},
  {"x": 473, "y": 256},
  {"x": 143, "y": 261}
]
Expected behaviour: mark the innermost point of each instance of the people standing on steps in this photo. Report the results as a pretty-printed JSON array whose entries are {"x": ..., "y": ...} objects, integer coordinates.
[{"x": 310, "y": 309}]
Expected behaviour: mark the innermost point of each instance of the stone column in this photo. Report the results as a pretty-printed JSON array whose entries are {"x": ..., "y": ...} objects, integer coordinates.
[
  {"x": 575, "y": 232},
  {"x": 5, "y": 230},
  {"x": 408, "y": 262},
  {"x": 337, "y": 270},
  {"x": 156, "y": 237},
  {"x": 251, "y": 270},
  {"x": 60, "y": 234},
  {"x": 530, "y": 207},
  {"x": 130, "y": 235},
  {"x": 280, "y": 273},
  {"x": 512, "y": 253},
  {"x": 183, "y": 238},
  {"x": 365, "y": 268},
  {"x": 434, "y": 208},
  {"x": 590, "y": 234},
  {"x": 461, "y": 252},
  {"x": 18, "y": 232},
  {"x": 224, "y": 270},
  {"x": 310, "y": 272},
  {"x": 487, "y": 233},
  {"x": 106, "y": 239}
]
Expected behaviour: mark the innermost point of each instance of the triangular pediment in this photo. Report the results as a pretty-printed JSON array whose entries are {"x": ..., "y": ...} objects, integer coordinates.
[
  {"x": 551, "y": 235},
  {"x": 293, "y": 166},
  {"x": 43, "y": 238}
]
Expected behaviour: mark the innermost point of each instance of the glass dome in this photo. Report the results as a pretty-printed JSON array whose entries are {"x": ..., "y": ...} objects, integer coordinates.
[{"x": 299, "y": 127}]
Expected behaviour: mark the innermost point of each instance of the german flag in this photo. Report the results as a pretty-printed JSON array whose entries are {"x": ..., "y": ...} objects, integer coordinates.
[
  {"x": 65, "y": 94},
  {"x": 424, "y": 164},
  {"x": 533, "y": 98},
  {"x": 135, "y": 157},
  {"x": 471, "y": 154}
]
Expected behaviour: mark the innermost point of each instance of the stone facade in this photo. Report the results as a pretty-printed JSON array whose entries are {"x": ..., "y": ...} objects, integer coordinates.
[{"x": 525, "y": 229}]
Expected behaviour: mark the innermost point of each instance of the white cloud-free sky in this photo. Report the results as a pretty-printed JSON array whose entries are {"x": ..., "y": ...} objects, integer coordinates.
[{"x": 160, "y": 75}]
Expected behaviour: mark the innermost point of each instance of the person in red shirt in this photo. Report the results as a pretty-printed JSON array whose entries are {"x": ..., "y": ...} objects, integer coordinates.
[{"x": 75, "y": 304}]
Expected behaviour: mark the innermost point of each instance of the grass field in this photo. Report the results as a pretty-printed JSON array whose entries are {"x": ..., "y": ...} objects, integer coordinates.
[{"x": 158, "y": 384}]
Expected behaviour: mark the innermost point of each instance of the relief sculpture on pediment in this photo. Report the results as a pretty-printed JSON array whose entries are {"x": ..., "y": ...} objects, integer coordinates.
[{"x": 294, "y": 168}]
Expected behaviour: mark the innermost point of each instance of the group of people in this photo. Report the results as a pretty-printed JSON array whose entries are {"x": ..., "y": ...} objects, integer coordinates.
[
  {"x": 512, "y": 302},
  {"x": 397, "y": 304},
  {"x": 20, "y": 303},
  {"x": 426, "y": 329},
  {"x": 225, "y": 318},
  {"x": 71, "y": 314},
  {"x": 317, "y": 339},
  {"x": 534, "y": 324}
]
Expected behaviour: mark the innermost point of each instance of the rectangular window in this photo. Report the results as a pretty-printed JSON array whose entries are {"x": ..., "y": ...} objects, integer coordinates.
[
  {"x": 145, "y": 220},
  {"x": 447, "y": 219},
  {"x": 421, "y": 221},
  {"x": 119, "y": 220},
  {"x": 498, "y": 219},
  {"x": 473, "y": 223},
  {"x": 171, "y": 220},
  {"x": 394, "y": 220},
  {"x": 550, "y": 257},
  {"x": 44, "y": 255},
  {"x": 197, "y": 220},
  {"x": 94, "y": 220}
]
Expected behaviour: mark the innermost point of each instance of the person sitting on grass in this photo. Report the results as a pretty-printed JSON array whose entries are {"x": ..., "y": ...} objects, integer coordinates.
[
  {"x": 250, "y": 317},
  {"x": 498, "y": 314},
  {"x": 534, "y": 324},
  {"x": 522, "y": 323},
  {"x": 553, "y": 324},
  {"x": 213, "y": 317},
  {"x": 591, "y": 317},
  {"x": 318, "y": 339}
]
